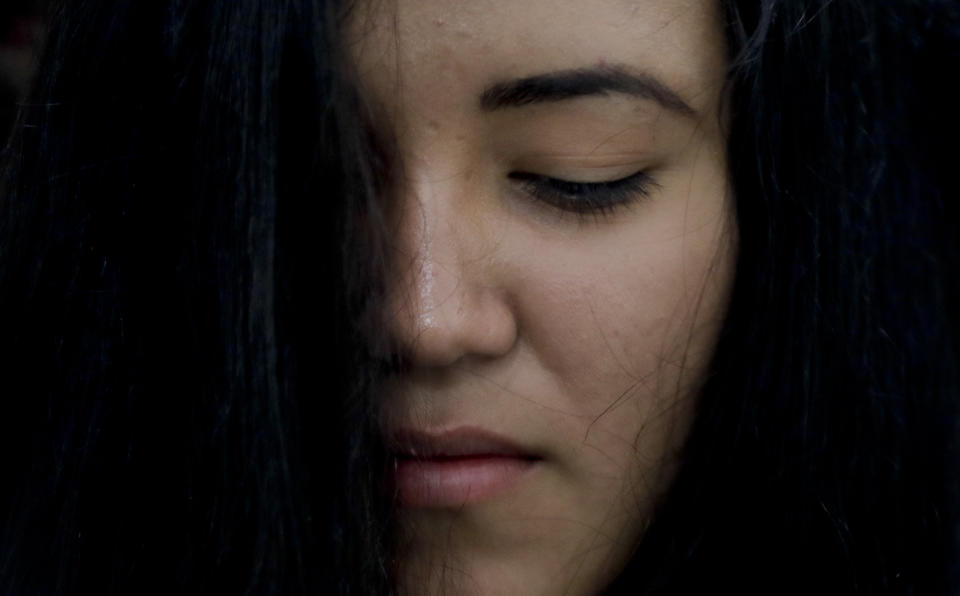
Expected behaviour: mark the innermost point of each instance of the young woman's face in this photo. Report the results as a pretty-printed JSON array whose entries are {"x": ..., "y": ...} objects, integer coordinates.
[{"x": 563, "y": 248}]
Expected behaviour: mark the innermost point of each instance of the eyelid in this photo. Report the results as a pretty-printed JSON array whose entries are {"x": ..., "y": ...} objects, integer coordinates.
[
  {"x": 586, "y": 198},
  {"x": 544, "y": 177},
  {"x": 603, "y": 166}
]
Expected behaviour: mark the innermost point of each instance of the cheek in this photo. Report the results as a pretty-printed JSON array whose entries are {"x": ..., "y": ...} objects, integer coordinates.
[
  {"x": 625, "y": 314},
  {"x": 624, "y": 328}
]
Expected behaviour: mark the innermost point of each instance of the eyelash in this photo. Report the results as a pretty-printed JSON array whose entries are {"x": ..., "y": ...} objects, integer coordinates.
[{"x": 586, "y": 198}]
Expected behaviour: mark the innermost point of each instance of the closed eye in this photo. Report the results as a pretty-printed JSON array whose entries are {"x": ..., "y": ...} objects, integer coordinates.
[{"x": 585, "y": 197}]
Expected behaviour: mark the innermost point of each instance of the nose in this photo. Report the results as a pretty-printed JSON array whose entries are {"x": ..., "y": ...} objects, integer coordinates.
[{"x": 447, "y": 301}]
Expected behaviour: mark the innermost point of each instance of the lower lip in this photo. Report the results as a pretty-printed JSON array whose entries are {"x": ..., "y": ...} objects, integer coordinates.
[{"x": 452, "y": 482}]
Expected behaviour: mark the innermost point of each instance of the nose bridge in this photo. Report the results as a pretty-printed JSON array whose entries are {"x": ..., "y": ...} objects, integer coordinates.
[
  {"x": 433, "y": 250},
  {"x": 447, "y": 303}
]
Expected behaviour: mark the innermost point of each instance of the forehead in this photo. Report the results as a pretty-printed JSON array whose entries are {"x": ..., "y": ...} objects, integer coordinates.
[{"x": 436, "y": 50}]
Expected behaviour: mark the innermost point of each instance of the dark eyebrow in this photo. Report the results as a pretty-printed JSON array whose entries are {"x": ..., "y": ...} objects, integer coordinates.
[{"x": 581, "y": 82}]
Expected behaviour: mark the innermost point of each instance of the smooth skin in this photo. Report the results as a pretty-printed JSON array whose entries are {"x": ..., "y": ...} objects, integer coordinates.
[{"x": 580, "y": 333}]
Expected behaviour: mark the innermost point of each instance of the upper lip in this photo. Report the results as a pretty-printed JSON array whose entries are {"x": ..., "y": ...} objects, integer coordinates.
[{"x": 462, "y": 441}]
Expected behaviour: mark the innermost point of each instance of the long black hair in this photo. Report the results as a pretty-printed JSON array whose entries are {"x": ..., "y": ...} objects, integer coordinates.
[
  {"x": 824, "y": 455},
  {"x": 189, "y": 257},
  {"x": 180, "y": 408}
]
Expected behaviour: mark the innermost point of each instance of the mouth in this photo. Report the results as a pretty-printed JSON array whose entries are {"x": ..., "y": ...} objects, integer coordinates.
[{"x": 457, "y": 467}]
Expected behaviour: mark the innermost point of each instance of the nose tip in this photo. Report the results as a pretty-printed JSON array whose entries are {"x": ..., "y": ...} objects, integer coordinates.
[
  {"x": 447, "y": 304},
  {"x": 442, "y": 316}
]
